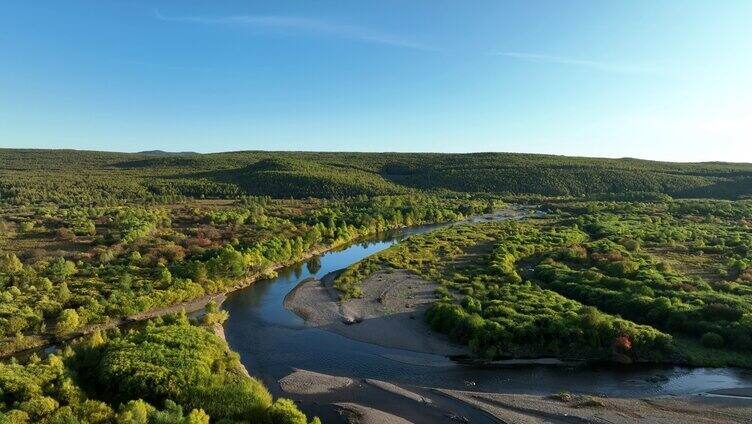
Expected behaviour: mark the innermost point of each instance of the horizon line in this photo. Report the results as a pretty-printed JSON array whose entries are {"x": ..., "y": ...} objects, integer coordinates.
[{"x": 479, "y": 152}]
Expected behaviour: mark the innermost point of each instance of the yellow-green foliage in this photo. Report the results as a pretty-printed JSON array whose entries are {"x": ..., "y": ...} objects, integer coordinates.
[
  {"x": 45, "y": 392},
  {"x": 171, "y": 372},
  {"x": 180, "y": 362}
]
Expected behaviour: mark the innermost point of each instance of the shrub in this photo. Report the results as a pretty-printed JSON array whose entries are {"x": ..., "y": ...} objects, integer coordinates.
[
  {"x": 284, "y": 411},
  {"x": 67, "y": 322},
  {"x": 713, "y": 340}
]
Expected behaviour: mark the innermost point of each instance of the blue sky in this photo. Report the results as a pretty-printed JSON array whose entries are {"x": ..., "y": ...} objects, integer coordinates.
[{"x": 668, "y": 80}]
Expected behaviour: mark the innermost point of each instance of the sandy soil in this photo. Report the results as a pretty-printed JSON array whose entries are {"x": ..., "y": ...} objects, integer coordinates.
[
  {"x": 365, "y": 415},
  {"x": 390, "y": 313},
  {"x": 302, "y": 382},
  {"x": 585, "y": 409},
  {"x": 397, "y": 390},
  {"x": 374, "y": 401},
  {"x": 513, "y": 213},
  {"x": 738, "y": 392}
]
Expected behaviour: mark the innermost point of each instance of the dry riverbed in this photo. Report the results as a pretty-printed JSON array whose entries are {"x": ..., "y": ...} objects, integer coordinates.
[
  {"x": 373, "y": 401},
  {"x": 566, "y": 408},
  {"x": 366, "y": 401},
  {"x": 302, "y": 382}
]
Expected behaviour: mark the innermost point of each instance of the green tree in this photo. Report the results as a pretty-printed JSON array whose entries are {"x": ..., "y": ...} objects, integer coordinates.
[
  {"x": 67, "y": 321},
  {"x": 284, "y": 411},
  {"x": 134, "y": 412},
  {"x": 229, "y": 263},
  {"x": 713, "y": 340},
  {"x": 63, "y": 293},
  {"x": 10, "y": 264},
  {"x": 164, "y": 276},
  {"x": 60, "y": 269}
]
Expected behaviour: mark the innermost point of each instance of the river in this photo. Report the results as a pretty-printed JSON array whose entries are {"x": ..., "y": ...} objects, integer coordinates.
[{"x": 272, "y": 341}]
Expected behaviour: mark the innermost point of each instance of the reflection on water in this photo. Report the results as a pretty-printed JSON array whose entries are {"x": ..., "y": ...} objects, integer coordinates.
[{"x": 272, "y": 340}]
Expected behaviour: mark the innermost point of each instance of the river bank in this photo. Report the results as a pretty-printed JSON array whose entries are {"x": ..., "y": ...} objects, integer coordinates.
[
  {"x": 367, "y": 400},
  {"x": 274, "y": 342},
  {"x": 568, "y": 408}
]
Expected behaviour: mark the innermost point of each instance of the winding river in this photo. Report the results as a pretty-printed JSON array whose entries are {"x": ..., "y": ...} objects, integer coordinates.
[{"x": 272, "y": 341}]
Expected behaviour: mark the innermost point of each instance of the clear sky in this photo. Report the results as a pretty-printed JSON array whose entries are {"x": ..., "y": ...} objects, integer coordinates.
[{"x": 669, "y": 80}]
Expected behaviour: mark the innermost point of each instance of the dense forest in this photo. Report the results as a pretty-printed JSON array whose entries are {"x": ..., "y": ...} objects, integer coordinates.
[
  {"x": 91, "y": 243},
  {"x": 66, "y": 176}
]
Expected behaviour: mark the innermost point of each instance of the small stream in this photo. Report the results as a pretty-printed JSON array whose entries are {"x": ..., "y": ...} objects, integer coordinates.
[{"x": 272, "y": 340}]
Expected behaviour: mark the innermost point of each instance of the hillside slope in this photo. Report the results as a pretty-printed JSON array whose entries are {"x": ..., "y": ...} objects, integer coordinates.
[{"x": 30, "y": 175}]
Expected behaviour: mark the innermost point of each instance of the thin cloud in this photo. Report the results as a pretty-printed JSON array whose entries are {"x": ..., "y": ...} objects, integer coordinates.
[
  {"x": 303, "y": 24},
  {"x": 147, "y": 64},
  {"x": 622, "y": 68}
]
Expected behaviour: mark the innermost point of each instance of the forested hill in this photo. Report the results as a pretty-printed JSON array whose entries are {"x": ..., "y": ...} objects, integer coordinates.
[{"x": 61, "y": 175}]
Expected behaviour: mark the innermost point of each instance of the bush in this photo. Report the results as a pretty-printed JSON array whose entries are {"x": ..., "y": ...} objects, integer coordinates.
[
  {"x": 67, "y": 322},
  {"x": 713, "y": 340},
  {"x": 39, "y": 406},
  {"x": 284, "y": 411}
]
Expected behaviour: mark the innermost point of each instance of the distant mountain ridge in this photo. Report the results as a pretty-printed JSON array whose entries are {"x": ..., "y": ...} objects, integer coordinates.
[
  {"x": 165, "y": 153},
  {"x": 32, "y": 175}
]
